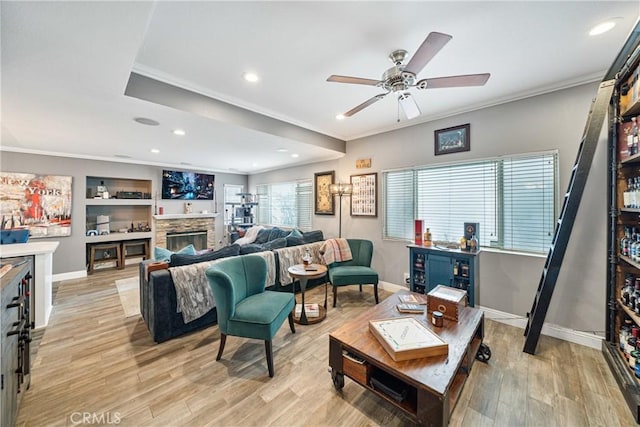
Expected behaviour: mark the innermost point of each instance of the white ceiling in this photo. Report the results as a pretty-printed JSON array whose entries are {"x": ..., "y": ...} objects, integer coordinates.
[{"x": 65, "y": 67}]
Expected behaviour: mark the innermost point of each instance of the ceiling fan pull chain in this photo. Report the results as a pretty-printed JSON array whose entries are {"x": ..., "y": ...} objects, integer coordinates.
[{"x": 398, "y": 111}]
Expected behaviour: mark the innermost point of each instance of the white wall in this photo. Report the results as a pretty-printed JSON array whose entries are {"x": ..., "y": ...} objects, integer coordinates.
[{"x": 508, "y": 282}]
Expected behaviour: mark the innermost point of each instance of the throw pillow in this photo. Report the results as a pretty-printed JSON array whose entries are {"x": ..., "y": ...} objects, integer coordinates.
[
  {"x": 295, "y": 233},
  {"x": 263, "y": 236},
  {"x": 274, "y": 234},
  {"x": 295, "y": 238},
  {"x": 164, "y": 254},
  {"x": 178, "y": 260},
  {"x": 313, "y": 236}
]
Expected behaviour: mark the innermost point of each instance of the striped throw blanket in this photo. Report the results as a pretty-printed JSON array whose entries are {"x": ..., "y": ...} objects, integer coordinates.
[
  {"x": 193, "y": 293},
  {"x": 336, "y": 250}
]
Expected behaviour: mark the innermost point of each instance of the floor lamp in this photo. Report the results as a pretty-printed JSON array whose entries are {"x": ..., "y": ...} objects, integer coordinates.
[{"x": 340, "y": 190}]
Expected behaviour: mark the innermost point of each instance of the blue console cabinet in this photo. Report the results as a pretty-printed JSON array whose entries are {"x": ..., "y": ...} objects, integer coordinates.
[{"x": 431, "y": 266}]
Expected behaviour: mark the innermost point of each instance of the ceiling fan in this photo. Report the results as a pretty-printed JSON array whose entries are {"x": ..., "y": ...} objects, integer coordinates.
[{"x": 399, "y": 78}]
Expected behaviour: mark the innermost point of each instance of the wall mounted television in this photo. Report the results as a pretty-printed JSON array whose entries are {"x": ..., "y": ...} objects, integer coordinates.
[{"x": 187, "y": 185}]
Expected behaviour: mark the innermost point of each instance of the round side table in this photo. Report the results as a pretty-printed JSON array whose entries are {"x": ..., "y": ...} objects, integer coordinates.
[{"x": 304, "y": 273}]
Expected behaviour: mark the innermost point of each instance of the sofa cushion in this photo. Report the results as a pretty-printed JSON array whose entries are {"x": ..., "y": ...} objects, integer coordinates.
[
  {"x": 263, "y": 236},
  {"x": 251, "y": 248},
  {"x": 163, "y": 254},
  {"x": 276, "y": 233},
  {"x": 178, "y": 260},
  {"x": 313, "y": 236},
  {"x": 278, "y": 243}
]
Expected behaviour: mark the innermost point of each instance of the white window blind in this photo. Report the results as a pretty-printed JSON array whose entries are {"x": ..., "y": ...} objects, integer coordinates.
[
  {"x": 287, "y": 204},
  {"x": 449, "y": 196},
  {"x": 304, "y": 203},
  {"x": 399, "y": 208},
  {"x": 513, "y": 199}
]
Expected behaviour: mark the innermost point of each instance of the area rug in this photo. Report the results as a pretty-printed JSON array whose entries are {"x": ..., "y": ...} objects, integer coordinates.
[{"x": 128, "y": 290}]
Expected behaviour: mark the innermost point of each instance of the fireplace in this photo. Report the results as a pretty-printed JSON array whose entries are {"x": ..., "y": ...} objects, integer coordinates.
[
  {"x": 198, "y": 229},
  {"x": 178, "y": 240}
]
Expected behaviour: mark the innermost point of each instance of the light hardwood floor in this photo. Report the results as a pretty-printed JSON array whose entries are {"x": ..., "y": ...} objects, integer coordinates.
[{"x": 93, "y": 360}]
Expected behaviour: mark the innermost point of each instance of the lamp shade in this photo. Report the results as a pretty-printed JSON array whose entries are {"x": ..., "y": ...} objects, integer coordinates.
[
  {"x": 340, "y": 189},
  {"x": 409, "y": 105}
]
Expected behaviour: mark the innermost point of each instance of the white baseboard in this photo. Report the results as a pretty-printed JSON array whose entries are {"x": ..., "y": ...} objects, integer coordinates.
[
  {"x": 578, "y": 337},
  {"x": 391, "y": 287},
  {"x": 70, "y": 275},
  {"x": 549, "y": 329}
]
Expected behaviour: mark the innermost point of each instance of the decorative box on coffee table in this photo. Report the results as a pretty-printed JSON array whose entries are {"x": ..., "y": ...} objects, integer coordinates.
[{"x": 448, "y": 301}]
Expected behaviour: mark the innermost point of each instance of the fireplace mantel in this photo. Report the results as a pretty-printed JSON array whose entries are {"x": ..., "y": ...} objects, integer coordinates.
[
  {"x": 185, "y": 216},
  {"x": 180, "y": 223}
]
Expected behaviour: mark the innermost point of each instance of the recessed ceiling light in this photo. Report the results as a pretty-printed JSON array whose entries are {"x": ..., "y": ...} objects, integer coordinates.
[
  {"x": 254, "y": 164},
  {"x": 282, "y": 150},
  {"x": 251, "y": 77},
  {"x": 340, "y": 117},
  {"x": 155, "y": 150},
  {"x": 602, "y": 28},
  {"x": 179, "y": 132},
  {"x": 146, "y": 121},
  {"x": 185, "y": 163},
  {"x": 294, "y": 155}
]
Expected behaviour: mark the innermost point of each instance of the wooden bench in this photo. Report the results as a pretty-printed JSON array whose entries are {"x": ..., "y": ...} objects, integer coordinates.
[
  {"x": 142, "y": 247},
  {"x": 107, "y": 254}
]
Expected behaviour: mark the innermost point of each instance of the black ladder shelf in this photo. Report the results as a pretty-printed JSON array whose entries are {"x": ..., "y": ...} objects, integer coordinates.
[{"x": 579, "y": 175}]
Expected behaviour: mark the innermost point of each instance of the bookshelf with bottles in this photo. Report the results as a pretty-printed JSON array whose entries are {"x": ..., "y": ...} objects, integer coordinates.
[{"x": 622, "y": 345}]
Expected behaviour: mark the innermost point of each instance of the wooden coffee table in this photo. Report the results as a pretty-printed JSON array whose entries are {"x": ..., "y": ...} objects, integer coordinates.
[
  {"x": 426, "y": 389},
  {"x": 304, "y": 273}
]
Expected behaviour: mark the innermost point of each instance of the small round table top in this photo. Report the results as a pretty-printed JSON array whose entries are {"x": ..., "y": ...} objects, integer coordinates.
[{"x": 311, "y": 271}]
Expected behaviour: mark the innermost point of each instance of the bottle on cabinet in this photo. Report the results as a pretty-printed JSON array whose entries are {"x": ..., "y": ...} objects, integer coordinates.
[
  {"x": 427, "y": 238},
  {"x": 463, "y": 244},
  {"x": 473, "y": 243}
]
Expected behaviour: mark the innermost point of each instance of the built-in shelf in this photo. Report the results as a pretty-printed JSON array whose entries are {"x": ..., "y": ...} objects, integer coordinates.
[
  {"x": 116, "y": 237},
  {"x": 185, "y": 216},
  {"x": 630, "y": 160},
  {"x": 119, "y": 202}
]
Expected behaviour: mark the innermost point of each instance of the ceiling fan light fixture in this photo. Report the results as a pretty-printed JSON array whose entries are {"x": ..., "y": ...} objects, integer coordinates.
[
  {"x": 408, "y": 105},
  {"x": 340, "y": 117}
]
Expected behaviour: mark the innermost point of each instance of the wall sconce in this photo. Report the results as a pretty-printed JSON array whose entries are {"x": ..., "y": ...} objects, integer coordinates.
[{"x": 340, "y": 190}]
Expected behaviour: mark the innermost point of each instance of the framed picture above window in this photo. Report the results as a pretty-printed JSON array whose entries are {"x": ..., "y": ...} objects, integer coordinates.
[
  {"x": 324, "y": 201},
  {"x": 364, "y": 199},
  {"x": 452, "y": 140}
]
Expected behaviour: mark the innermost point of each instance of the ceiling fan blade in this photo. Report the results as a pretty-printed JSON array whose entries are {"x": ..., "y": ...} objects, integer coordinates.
[
  {"x": 427, "y": 50},
  {"x": 454, "y": 81},
  {"x": 364, "y": 105},
  {"x": 353, "y": 80}
]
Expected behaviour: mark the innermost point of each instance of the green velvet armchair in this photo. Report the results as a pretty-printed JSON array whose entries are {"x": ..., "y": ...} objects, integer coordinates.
[
  {"x": 356, "y": 271},
  {"x": 245, "y": 308}
]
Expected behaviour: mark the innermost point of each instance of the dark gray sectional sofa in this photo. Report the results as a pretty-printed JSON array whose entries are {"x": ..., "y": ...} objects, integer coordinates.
[{"x": 158, "y": 301}]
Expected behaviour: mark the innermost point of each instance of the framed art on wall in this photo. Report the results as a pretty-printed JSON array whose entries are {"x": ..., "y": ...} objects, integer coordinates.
[
  {"x": 452, "y": 140},
  {"x": 364, "y": 199},
  {"x": 324, "y": 202},
  {"x": 40, "y": 203}
]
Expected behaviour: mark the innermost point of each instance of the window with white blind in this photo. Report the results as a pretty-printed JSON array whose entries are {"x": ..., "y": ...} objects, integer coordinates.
[
  {"x": 287, "y": 204},
  {"x": 513, "y": 199}
]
